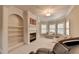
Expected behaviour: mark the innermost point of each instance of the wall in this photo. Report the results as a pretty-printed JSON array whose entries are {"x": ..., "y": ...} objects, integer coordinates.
[
  {"x": 1, "y": 13},
  {"x": 74, "y": 21},
  {"x": 7, "y": 11}
]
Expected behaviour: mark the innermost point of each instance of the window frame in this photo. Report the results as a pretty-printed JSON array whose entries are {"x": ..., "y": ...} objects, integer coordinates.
[
  {"x": 68, "y": 27},
  {"x": 54, "y": 28},
  {"x": 42, "y": 29},
  {"x": 58, "y": 32}
]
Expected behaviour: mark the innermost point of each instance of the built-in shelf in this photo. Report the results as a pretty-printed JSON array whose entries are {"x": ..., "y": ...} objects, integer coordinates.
[
  {"x": 15, "y": 26},
  {"x": 15, "y": 35},
  {"x": 15, "y": 31},
  {"x": 13, "y": 39}
]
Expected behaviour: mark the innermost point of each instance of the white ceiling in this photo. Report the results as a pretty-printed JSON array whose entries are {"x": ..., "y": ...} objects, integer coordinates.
[{"x": 57, "y": 11}]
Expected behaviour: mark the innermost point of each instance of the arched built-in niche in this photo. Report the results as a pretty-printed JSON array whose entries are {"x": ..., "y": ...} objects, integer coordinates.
[{"x": 15, "y": 30}]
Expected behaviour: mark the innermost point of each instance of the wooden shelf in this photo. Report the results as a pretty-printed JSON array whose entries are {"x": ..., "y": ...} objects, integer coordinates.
[
  {"x": 14, "y": 39},
  {"x": 15, "y": 31},
  {"x": 15, "y": 34},
  {"x": 15, "y": 27}
]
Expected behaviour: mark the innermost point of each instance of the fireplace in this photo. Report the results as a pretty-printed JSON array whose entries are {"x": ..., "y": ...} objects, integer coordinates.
[{"x": 32, "y": 37}]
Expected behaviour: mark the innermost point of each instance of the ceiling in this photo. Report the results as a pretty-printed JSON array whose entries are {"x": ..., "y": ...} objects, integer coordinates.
[{"x": 56, "y": 11}]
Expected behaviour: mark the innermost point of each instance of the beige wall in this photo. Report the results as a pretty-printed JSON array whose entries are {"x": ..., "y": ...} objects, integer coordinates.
[
  {"x": 74, "y": 21},
  {"x": 1, "y": 13},
  {"x": 7, "y": 11}
]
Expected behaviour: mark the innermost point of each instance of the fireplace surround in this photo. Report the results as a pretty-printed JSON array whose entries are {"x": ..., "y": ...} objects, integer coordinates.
[{"x": 32, "y": 37}]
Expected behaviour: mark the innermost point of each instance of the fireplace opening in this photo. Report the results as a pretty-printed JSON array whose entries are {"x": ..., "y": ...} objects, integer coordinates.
[{"x": 32, "y": 37}]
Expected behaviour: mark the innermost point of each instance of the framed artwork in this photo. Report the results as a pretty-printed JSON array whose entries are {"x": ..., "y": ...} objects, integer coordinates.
[{"x": 32, "y": 21}]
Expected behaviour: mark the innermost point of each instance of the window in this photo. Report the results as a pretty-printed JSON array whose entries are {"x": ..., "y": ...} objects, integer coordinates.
[
  {"x": 43, "y": 29},
  {"x": 67, "y": 27},
  {"x": 52, "y": 28},
  {"x": 60, "y": 28}
]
